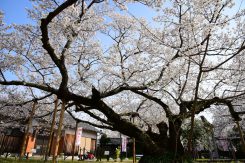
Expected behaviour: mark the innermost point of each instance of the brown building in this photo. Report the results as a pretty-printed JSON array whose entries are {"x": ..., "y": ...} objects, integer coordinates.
[
  {"x": 87, "y": 141},
  {"x": 10, "y": 141}
]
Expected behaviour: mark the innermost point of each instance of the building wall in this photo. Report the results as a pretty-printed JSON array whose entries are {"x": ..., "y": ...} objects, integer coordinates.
[
  {"x": 30, "y": 143},
  {"x": 87, "y": 142},
  {"x": 61, "y": 143},
  {"x": 68, "y": 141},
  {"x": 41, "y": 144},
  {"x": 10, "y": 144},
  {"x": 85, "y": 133},
  {"x": 93, "y": 144},
  {"x": 90, "y": 134},
  {"x": 13, "y": 144}
]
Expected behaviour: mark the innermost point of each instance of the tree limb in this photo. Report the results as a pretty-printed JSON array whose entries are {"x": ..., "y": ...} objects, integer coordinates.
[
  {"x": 158, "y": 101},
  {"x": 47, "y": 46}
]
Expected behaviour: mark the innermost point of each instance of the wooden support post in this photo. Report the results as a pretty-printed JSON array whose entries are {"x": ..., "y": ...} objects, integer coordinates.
[
  {"x": 58, "y": 136},
  {"x": 134, "y": 155},
  {"x": 134, "y": 152},
  {"x": 48, "y": 149},
  {"x": 51, "y": 147},
  {"x": 43, "y": 150},
  {"x": 24, "y": 143},
  {"x": 74, "y": 143}
]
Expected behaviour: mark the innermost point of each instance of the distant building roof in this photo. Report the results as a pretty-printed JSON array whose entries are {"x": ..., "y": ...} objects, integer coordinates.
[
  {"x": 71, "y": 123},
  {"x": 87, "y": 127},
  {"x": 41, "y": 123}
]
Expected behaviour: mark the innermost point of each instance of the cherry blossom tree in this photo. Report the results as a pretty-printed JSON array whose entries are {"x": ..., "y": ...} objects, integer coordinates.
[
  {"x": 137, "y": 77},
  {"x": 225, "y": 123}
]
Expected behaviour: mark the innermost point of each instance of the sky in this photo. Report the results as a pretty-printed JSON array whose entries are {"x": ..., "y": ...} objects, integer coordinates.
[{"x": 14, "y": 11}]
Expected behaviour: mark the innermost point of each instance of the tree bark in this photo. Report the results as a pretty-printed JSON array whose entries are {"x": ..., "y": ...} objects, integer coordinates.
[
  {"x": 190, "y": 138},
  {"x": 58, "y": 135},
  {"x": 241, "y": 136},
  {"x": 51, "y": 130},
  {"x": 170, "y": 146},
  {"x": 175, "y": 145},
  {"x": 25, "y": 138}
]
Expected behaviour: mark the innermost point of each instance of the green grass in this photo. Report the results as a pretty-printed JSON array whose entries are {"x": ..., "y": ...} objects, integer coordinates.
[
  {"x": 36, "y": 160},
  {"x": 31, "y": 160},
  {"x": 219, "y": 161}
]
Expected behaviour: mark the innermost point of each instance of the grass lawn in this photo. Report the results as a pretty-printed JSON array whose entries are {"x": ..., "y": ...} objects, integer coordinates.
[
  {"x": 31, "y": 160},
  {"x": 12, "y": 160}
]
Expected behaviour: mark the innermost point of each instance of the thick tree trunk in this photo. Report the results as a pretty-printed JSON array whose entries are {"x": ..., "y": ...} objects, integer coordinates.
[
  {"x": 175, "y": 145},
  {"x": 153, "y": 145},
  {"x": 170, "y": 146},
  {"x": 241, "y": 136},
  {"x": 127, "y": 128}
]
